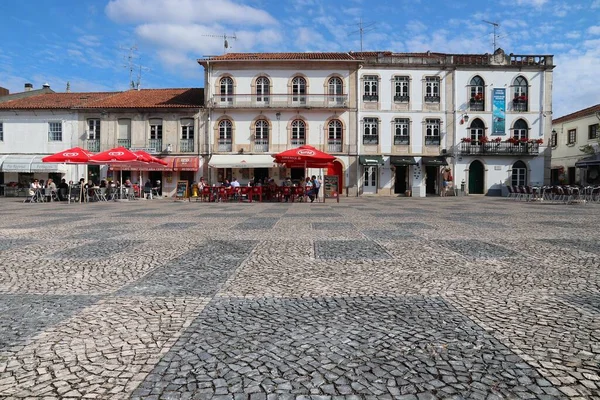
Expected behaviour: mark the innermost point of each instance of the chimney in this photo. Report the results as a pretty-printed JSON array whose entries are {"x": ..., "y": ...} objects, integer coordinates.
[
  {"x": 46, "y": 85},
  {"x": 28, "y": 87}
]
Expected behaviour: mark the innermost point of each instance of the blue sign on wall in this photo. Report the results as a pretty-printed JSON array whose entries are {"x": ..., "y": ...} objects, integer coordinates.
[{"x": 498, "y": 112}]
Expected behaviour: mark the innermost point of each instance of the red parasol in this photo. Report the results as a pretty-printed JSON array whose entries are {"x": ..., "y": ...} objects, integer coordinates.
[
  {"x": 114, "y": 156},
  {"x": 149, "y": 158},
  {"x": 305, "y": 155},
  {"x": 76, "y": 155}
]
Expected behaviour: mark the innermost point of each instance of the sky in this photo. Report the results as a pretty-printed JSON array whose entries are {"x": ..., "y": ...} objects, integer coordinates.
[{"x": 89, "y": 43}]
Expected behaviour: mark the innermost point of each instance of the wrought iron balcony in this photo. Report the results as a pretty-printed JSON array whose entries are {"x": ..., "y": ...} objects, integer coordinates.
[
  {"x": 370, "y": 97},
  {"x": 476, "y": 105},
  {"x": 186, "y": 145},
  {"x": 297, "y": 142},
  {"x": 124, "y": 143},
  {"x": 334, "y": 146},
  {"x": 280, "y": 101},
  {"x": 402, "y": 99},
  {"x": 519, "y": 105},
  {"x": 432, "y": 99},
  {"x": 261, "y": 146},
  {"x": 402, "y": 140},
  {"x": 432, "y": 140},
  {"x": 155, "y": 144},
  {"x": 499, "y": 149},
  {"x": 93, "y": 145}
]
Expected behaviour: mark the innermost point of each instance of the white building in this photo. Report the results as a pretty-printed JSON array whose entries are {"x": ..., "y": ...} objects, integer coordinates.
[
  {"x": 260, "y": 104},
  {"x": 571, "y": 134}
]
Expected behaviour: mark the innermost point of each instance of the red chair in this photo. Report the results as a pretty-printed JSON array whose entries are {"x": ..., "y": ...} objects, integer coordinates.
[
  {"x": 257, "y": 191},
  {"x": 206, "y": 194},
  {"x": 298, "y": 192},
  {"x": 245, "y": 191},
  {"x": 222, "y": 194},
  {"x": 286, "y": 193}
]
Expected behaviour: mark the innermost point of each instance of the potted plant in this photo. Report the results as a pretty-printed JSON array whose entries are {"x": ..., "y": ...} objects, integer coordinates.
[
  {"x": 484, "y": 140},
  {"x": 477, "y": 98},
  {"x": 540, "y": 141},
  {"x": 465, "y": 140}
]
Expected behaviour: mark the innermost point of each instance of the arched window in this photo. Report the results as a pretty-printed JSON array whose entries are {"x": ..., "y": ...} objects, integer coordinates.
[
  {"x": 299, "y": 89},
  {"x": 521, "y": 94},
  {"x": 334, "y": 136},
  {"x": 521, "y": 130},
  {"x": 225, "y": 135},
  {"x": 298, "y": 132},
  {"x": 226, "y": 85},
  {"x": 263, "y": 88},
  {"x": 477, "y": 131},
  {"x": 335, "y": 90},
  {"x": 477, "y": 93},
  {"x": 519, "y": 174},
  {"x": 261, "y": 136}
]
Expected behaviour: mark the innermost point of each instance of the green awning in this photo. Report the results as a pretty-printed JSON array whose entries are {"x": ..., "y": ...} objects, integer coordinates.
[
  {"x": 402, "y": 160},
  {"x": 588, "y": 161},
  {"x": 370, "y": 160},
  {"x": 434, "y": 161}
]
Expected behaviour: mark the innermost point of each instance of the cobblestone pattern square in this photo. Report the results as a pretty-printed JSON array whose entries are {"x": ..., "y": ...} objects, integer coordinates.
[{"x": 349, "y": 250}]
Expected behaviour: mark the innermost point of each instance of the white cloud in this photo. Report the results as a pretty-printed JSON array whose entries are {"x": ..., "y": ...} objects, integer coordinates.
[
  {"x": 307, "y": 39},
  {"x": 573, "y": 35},
  {"x": 594, "y": 30},
  {"x": 186, "y": 11},
  {"x": 533, "y": 3},
  {"x": 90, "y": 40},
  {"x": 596, "y": 4}
]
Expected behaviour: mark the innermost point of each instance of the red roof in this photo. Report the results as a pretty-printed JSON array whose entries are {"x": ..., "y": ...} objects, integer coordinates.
[
  {"x": 152, "y": 98},
  {"x": 586, "y": 112},
  {"x": 145, "y": 98},
  {"x": 55, "y": 100},
  {"x": 281, "y": 56}
]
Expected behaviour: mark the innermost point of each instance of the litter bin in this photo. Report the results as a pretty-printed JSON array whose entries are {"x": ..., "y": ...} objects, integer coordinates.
[{"x": 462, "y": 187}]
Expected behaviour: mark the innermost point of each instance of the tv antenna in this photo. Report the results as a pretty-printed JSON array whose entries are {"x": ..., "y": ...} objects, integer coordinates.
[
  {"x": 361, "y": 31},
  {"x": 496, "y": 26},
  {"x": 226, "y": 44},
  {"x": 139, "y": 76},
  {"x": 130, "y": 63}
]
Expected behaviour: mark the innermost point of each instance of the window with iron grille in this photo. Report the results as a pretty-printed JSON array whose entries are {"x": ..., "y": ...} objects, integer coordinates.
[
  {"x": 370, "y": 88},
  {"x": 593, "y": 131},
  {"x": 187, "y": 128},
  {"x": 572, "y": 136},
  {"x": 476, "y": 92},
  {"x": 432, "y": 89},
  {"x": 371, "y": 131},
  {"x": 401, "y": 131},
  {"x": 93, "y": 129},
  {"x": 432, "y": 131},
  {"x": 401, "y": 88},
  {"x": 55, "y": 131},
  {"x": 156, "y": 130},
  {"x": 1, "y": 132}
]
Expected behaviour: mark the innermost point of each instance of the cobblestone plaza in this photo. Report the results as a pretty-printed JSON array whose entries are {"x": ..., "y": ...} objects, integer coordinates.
[{"x": 372, "y": 298}]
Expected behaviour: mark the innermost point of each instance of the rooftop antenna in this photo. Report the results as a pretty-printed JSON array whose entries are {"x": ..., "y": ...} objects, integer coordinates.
[
  {"x": 139, "y": 75},
  {"x": 361, "y": 31},
  {"x": 226, "y": 44},
  {"x": 130, "y": 64},
  {"x": 495, "y": 25}
]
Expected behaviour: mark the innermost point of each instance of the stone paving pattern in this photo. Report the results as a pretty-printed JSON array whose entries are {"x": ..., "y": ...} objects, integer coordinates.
[{"x": 371, "y": 298}]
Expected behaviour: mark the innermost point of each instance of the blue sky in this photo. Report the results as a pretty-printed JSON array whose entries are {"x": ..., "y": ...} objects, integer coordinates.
[{"x": 86, "y": 42}]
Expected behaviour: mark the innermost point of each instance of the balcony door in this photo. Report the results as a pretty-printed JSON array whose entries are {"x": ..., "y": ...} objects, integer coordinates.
[
  {"x": 370, "y": 180},
  {"x": 299, "y": 90},
  {"x": 476, "y": 130}
]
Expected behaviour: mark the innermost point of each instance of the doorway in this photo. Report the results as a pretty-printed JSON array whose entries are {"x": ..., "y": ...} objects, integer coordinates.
[
  {"x": 154, "y": 177},
  {"x": 431, "y": 180},
  {"x": 260, "y": 174},
  {"x": 400, "y": 184},
  {"x": 370, "y": 180},
  {"x": 476, "y": 177},
  {"x": 94, "y": 173}
]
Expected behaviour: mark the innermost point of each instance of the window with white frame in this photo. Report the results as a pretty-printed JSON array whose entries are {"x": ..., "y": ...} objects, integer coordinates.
[
  {"x": 521, "y": 130},
  {"x": 371, "y": 131},
  {"x": 432, "y": 131},
  {"x": 187, "y": 129},
  {"x": 401, "y": 88},
  {"x": 156, "y": 128},
  {"x": 477, "y": 131},
  {"x": 370, "y": 88},
  {"x": 263, "y": 89},
  {"x": 593, "y": 131},
  {"x": 554, "y": 139},
  {"x": 261, "y": 135},
  {"x": 401, "y": 131},
  {"x": 1, "y": 132},
  {"x": 225, "y": 135},
  {"x": 298, "y": 132},
  {"x": 124, "y": 135},
  {"x": 519, "y": 174},
  {"x": 432, "y": 89},
  {"x": 334, "y": 136},
  {"x": 476, "y": 92},
  {"x": 93, "y": 132},
  {"x": 572, "y": 136},
  {"x": 520, "y": 94},
  {"x": 55, "y": 131},
  {"x": 299, "y": 89},
  {"x": 226, "y": 86},
  {"x": 335, "y": 90}
]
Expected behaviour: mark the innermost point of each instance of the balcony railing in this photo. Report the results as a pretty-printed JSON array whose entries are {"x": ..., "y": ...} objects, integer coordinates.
[
  {"x": 261, "y": 145},
  {"x": 92, "y": 145},
  {"x": 499, "y": 149},
  {"x": 225, "y": 145},
  {"x": 124, "y": 143},
  {"x": 401, "y": 140},
  {"x": 432, "y": 140},
  {"x": 519, "y": 105},
  {"x": 297, "y": 142},
  {"x": 402, "y": 99},
  {"x": 334, "y": 146},
  {"x": 432, "y": 99},
  {"x": 280, "y": 101},
  {"x": 370, "y": 97},
  {"x": 186, "y": 145},
  {"x": 476, "y": 105},
  {"x": 155, "y": 144}
]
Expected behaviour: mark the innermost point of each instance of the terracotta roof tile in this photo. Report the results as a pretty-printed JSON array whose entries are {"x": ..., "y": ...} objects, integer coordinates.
[
  {"x": 55, "y": 100},
  {"x": 586, "y": 112},
  {"x": 152, "y": 98},
  {"x": 326, "y": 56}
]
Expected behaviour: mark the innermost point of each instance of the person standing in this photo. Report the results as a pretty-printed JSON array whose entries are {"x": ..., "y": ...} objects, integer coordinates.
[{"x": 316, "y": 186}]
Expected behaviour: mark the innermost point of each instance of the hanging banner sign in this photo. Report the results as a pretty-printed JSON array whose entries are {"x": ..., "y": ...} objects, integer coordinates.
[{"x": 499, "y": 112}]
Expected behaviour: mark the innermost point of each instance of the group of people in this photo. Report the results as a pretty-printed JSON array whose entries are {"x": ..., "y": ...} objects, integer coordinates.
[{"x": 43, "y": 190}]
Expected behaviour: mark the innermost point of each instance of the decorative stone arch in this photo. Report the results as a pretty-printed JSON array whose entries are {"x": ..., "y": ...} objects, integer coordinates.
[
  {"x": 289, "y": 127},
  {"x": 331, "y": 76},
  {"x": 291, "y": 80},
  {"x": 217, "y": 86},
  {"x": 393, "y": 124},
  {"x": 514, "y": 122},
  {"x": 527, "y": 167},
  {"x": 485, "y": 173},
  {"x": 261, "y": 75},
  {"x": 261, "y": 117},
  {"x": 217, "y": 126}
]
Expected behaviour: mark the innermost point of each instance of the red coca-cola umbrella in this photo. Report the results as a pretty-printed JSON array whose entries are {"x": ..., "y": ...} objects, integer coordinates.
[
  {"x": 306, "y": 155},
  {"x": 76, "y": 155}
]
